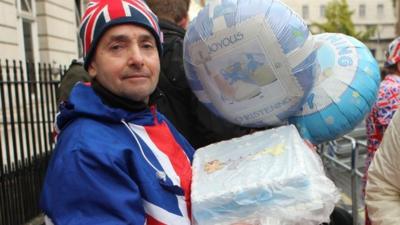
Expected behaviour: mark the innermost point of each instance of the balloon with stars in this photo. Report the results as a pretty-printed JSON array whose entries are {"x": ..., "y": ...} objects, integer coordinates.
[{"x": 345, "y": 89}]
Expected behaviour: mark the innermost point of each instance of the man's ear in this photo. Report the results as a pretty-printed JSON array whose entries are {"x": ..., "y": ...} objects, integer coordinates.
[{"x": 92, "y": 70}]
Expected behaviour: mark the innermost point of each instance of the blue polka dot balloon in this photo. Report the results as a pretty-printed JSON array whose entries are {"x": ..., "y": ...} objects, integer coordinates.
[
  {"x": 252, "y": 62},
  {"x": 345, "y": 89}
]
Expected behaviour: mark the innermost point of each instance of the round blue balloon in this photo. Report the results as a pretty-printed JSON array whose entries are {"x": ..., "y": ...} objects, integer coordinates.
[
  {"x": 344, "y": 91},
  {"x": 251, "y": 62}
]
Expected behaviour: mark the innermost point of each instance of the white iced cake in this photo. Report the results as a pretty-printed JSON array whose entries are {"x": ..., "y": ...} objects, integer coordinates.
[{"x": 270, "y": 175}]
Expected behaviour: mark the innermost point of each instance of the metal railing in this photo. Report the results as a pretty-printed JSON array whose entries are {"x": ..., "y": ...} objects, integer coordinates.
[
  {"x": 352, "y": 168},
  {"x": 28, "y": 107}
]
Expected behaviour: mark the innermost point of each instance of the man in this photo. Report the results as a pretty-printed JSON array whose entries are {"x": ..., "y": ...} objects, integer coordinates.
[
  {"x": 178, "y": 103},
  {"x": 117, "y": 160},
  {"x": 388, "y": 101}
]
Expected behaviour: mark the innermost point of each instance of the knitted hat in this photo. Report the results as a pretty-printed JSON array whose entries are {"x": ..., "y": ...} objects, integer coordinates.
[
  {"x": 393, "y": 53},
  {"x": 100, "y": 15}
]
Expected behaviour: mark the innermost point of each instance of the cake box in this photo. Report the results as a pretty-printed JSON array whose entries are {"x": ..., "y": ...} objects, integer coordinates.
[{"x": 268, "y": 177}]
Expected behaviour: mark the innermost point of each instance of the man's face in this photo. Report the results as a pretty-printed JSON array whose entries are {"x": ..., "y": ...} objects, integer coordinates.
[{"x": 126, "y": 62}]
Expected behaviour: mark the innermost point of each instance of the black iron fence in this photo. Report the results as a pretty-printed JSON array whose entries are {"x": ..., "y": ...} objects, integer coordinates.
[{"x": 28, "y": 107}]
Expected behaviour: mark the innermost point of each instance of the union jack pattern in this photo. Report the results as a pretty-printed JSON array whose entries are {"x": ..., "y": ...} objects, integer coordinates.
[
  {"x": 101, "y": 12},
  {"x": 136, "y": 161},
  {"x": 393, "y": 53},
  {"x": 175, "y": 164},
  {"x": 387, "y": 103}
]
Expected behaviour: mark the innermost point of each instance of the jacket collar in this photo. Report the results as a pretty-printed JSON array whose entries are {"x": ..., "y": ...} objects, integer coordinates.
[{"x": 171, "y": 28}]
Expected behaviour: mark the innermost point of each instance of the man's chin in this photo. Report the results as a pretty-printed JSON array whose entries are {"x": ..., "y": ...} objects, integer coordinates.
[{"x": 138, "y": 96}]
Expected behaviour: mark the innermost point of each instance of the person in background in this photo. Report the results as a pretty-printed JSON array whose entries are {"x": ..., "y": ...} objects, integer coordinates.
[
  {"x": 383, "y": 183},
  {"x": 117, "y": 160},
  {"x": 75, "y": 73},
  {"x": 382, "y": 111}
]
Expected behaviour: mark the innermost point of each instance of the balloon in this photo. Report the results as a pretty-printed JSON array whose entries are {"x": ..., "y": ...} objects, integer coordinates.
[
  {"x": 344, "y": 91},
  {"x": 252, "y": 62}
]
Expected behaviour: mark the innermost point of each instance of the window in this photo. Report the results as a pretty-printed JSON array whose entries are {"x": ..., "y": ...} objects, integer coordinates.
[
  {"x": 29, "y": 53},
  {"x": 27, "y": 20},
  {"x": 28, "y": 44},
  {"x": 26, "y": 5},
  {"x": 322, "y": 11},
  {"x": 380, "y": 10},
  {"x": 361, "y": 11},
  {"x": 28, "y": 39},
  {"x": 305, "y": 12}
]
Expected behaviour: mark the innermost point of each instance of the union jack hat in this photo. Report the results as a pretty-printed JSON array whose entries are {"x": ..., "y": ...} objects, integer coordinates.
[
  {"x": 100, "y": 15},
  {"x": 393, "y": 53}
]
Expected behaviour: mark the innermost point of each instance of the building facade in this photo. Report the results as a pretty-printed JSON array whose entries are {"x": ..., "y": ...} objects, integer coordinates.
[
  {"x": 379, "y": 13},
  {"x": 40, "y": 30}
]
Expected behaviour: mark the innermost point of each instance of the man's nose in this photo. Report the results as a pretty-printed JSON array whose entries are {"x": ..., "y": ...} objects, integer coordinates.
[{"x": 135, "y": 56}]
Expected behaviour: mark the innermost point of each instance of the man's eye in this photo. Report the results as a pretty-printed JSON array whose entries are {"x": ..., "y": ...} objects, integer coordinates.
[
  {"x": 148, "y": 45},
  {"x": 116, "y": 47}
]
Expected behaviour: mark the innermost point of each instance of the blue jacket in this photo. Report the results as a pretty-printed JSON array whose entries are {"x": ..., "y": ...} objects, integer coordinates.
[{"x": 112, "y": 166}]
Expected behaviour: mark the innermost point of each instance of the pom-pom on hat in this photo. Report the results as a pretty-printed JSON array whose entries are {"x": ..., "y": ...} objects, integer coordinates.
[
  {"x": 100, "y": 15},
  {"x": 393, "y": 53}
]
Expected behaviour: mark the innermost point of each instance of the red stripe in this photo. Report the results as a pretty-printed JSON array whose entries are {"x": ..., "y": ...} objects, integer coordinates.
[
  {"x": 115, "y": 9},
  {"x": 88, "y": 16},
  {"x": 151, "y": 221},
  {"x": 382, "y": 104},
  {"x": 89, "y": 27},
  {"x": 165, "y": 141},
  {"x": 393, "y": 95}
]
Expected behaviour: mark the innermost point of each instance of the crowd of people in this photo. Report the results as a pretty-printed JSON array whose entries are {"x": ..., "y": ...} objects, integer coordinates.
[{"x": 128, "y": 130}]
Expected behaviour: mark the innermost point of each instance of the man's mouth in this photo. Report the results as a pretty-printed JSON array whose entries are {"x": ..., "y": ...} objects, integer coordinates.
[{"x": 133, "y": 76}]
